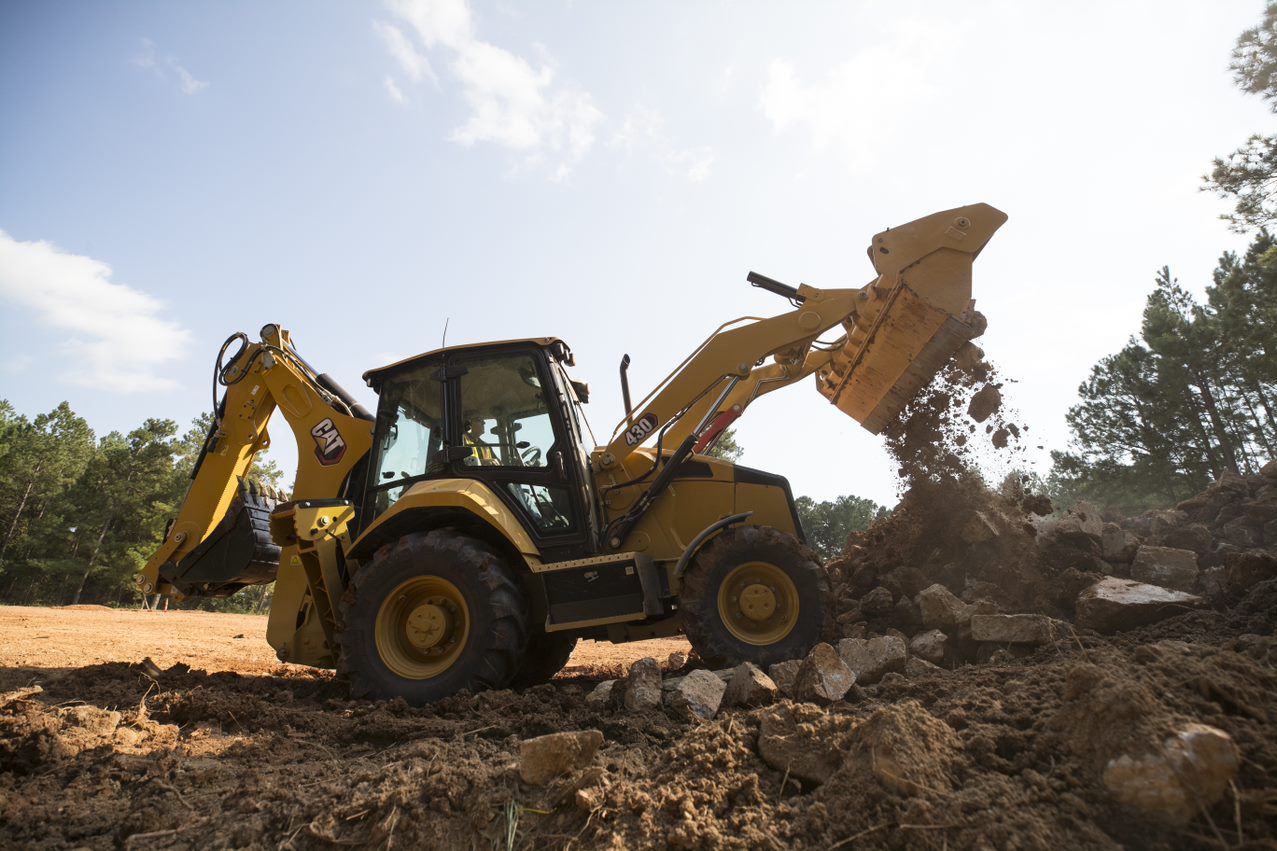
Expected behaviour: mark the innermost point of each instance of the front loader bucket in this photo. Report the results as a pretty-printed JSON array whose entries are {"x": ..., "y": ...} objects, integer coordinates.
[
  {"x": 913, "y": 318},
  {"x": 238, "y": 552}
]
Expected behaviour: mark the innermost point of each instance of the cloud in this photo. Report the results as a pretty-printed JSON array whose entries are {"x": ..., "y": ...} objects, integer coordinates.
[
  {"x": 644, "y": 130},
  {"x": 414, "y": 64},
  {"x": 114, "y": 334},
  {"x": 167, "y": 68},
  {"x": 863, "y": 105},
  {"x": 512, "y": 102},
  {"x": 393, "y": 90}
]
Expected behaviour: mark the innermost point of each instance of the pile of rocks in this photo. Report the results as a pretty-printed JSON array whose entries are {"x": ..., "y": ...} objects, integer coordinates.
[
  {"x": 1218, "y": 543},
  {"x": 827, "y": 674},
  {"x": 945, "y": 580}
]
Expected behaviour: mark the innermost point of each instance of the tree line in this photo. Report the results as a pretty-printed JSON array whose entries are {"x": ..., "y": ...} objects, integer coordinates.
[{"x": 81, "y": 515}]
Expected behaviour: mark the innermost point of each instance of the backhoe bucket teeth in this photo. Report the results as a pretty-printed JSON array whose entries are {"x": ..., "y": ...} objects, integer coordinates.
[
  {"x": 913, "y": 319},
  {"x": 238, "y": 552}
]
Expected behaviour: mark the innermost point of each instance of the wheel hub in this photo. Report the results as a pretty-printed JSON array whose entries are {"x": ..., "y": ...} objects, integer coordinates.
[
  {"x": 422, "y": 627},
  {"x": 758, "y": 602},
  {"x": 427, "y": 624}
]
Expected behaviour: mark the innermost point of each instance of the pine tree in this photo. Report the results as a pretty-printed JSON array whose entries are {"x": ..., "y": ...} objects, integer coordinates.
[
  {"x": 1189, "y": 401},
  {"x": 39, "y": 460},
  {"x": 1249, "y": 174}
]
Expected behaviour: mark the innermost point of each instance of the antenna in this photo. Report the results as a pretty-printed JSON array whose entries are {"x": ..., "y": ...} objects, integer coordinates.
[{"x": 443, "y": 344}]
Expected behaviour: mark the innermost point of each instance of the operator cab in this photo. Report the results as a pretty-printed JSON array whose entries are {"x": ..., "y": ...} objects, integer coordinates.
[{"x": 506, "y": 414}]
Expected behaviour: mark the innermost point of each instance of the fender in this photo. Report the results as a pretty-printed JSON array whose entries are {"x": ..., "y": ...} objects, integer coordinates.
[
  {"x": 705, "y": 535},
  {"x": 471, "y": 496}
]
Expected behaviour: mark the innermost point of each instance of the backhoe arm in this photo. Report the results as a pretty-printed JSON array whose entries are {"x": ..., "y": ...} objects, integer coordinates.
[{"x": 220, "y": 539}]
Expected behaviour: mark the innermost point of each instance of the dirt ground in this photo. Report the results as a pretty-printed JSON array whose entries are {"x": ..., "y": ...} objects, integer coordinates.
[
  {"x": 75, "y": 636},
  {"x": 240, "y": 751}
]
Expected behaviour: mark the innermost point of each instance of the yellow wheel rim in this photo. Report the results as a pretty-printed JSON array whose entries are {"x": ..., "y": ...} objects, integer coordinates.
[
  {"x": 422, "y": 627},
  {"x": 758, "y": 603}
]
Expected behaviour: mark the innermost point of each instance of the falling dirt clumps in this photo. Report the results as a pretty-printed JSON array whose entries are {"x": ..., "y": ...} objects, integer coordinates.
[{"x": 950, "y": 527}]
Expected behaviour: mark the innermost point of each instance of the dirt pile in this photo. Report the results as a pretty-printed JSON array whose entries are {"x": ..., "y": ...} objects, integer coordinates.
[{"x": 955, "y": 552}]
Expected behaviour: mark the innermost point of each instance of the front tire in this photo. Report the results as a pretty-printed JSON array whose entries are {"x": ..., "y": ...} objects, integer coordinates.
[
  {"x": 432, "y": 614},
  {"x": 546, "y": 655},
  {"x": 754, "y": 594}
]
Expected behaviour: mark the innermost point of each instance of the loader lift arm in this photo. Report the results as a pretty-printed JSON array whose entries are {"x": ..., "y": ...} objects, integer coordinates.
[
  {"x": 333, "y": 434},
  {"x": 898, "y": 331}
]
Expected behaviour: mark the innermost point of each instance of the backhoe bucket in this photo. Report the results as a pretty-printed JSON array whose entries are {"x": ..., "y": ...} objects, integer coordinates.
[
  {"x": 913, "y": 318},
  {"x": 238, "y": 552}
]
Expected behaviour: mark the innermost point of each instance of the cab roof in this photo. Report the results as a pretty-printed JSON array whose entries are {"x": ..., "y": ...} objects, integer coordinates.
[{"x": 374, "y": 376}]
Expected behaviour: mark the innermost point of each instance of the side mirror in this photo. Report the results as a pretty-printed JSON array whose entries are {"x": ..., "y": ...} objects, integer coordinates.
[{"x": 582, "y": 391}]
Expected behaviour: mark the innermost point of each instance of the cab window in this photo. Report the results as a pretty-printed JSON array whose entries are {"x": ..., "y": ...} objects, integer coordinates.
[
  {"x": 409, "y": 433},
  {"x": 504, "y": 415}
]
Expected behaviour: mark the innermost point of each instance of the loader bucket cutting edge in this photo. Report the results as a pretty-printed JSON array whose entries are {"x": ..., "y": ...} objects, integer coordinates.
[{"x": 911, "y": 341}]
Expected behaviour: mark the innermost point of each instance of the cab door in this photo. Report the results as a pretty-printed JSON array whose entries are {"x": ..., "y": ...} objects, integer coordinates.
[{"x": 506, "y": 411}]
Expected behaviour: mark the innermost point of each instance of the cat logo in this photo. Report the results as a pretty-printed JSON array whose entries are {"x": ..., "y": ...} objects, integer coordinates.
[{"x": 329, "y": 445}]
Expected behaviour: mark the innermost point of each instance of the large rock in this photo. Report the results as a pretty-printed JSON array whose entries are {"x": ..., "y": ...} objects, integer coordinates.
[
  {"x": 1118, "y": 545},
  {"x": 797, "y": 740},
  {"x": 1190, "y": 536},
  {"x": 602, "y": 696},
  {"x": 546, "y": 757},
  {"x": 1114, "y": 604},
  {"x": 1269, "y": 470},
  {"x": 1166, "y": 566},
  {"x": 930, "y": 645},
  {"x": 643, "y": 686},
  {"x": 870, "y": 659},
  {"x": 941, "y": 609},
  {"x": 1243, "y": 532},
  {"x": 1088, "y": 517},
  {"x": 877, "y": 602},
  {"x": 696, "y": 695},
  {"x": 1011, "y": 629},
  {"x": 823, "y": 678},
  {"x": 1244, "y": 569},
  {"x": 1187, "y": 775},
  {"x": 918, "y": 667},
  {"x": 784, "y": 674},
  {"x": 749, "y": 686}
]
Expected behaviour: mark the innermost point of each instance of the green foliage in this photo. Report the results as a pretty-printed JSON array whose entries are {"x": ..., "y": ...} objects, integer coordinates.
[
  {"x": 726, "y": 447},
  {"x": 80, "y": 517},
  {"x": 1191, "y": 399},
  {"x": 828, "y": 524},
  {"x": 1249, "y": 174}
]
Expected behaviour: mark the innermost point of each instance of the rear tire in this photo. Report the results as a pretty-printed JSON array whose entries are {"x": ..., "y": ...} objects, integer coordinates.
[
  {"x": 429, "y": 615},
  {"x": 546, "y": 655},
  {"x": 754, "y": 594}
]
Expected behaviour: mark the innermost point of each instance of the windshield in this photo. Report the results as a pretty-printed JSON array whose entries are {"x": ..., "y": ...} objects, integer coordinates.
[{"x": 409, "y": 432}]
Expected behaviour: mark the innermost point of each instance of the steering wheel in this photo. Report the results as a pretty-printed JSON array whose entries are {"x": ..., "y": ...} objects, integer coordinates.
[{"x": 531, "y": 456}]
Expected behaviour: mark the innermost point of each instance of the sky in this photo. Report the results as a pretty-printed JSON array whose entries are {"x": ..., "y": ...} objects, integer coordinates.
[{"x": 605, "y": 172}]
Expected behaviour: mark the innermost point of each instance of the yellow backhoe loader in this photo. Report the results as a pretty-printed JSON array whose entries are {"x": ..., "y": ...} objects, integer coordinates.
[{"x": 467, "y": 534}]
